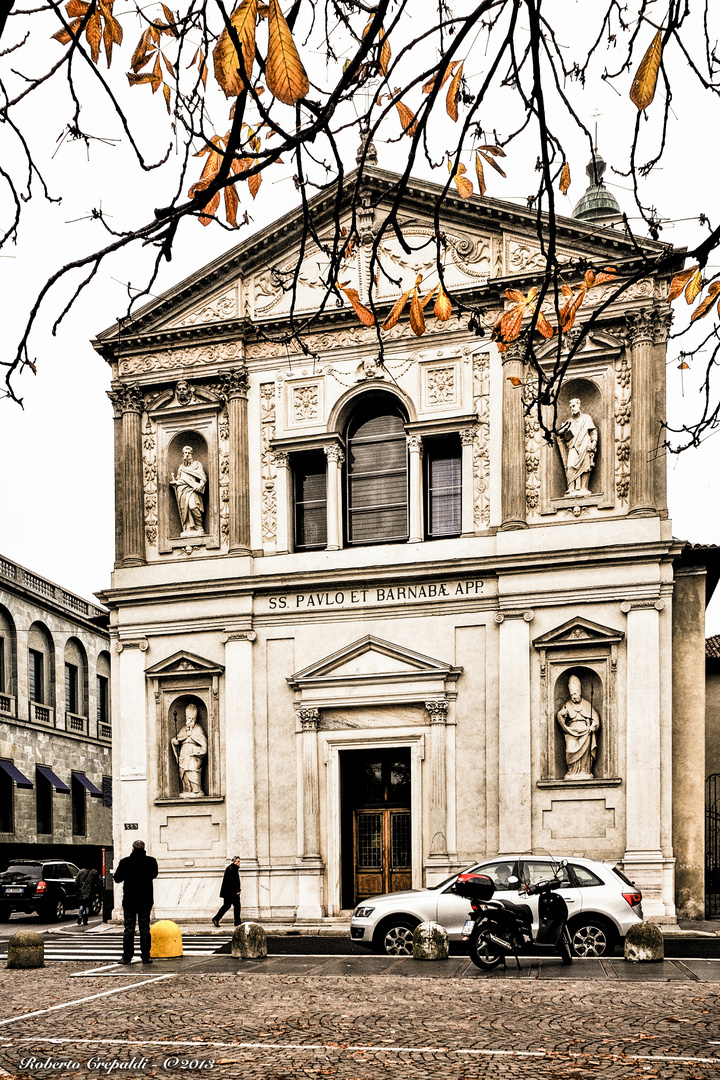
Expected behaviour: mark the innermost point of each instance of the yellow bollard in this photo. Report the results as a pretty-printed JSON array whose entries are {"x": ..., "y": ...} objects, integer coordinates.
[{"x": 166, "y": 940}]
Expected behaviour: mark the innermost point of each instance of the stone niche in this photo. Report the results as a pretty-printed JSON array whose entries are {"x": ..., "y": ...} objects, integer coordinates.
[
  {"x": 194, "y": 426},
  {"x": 587, "y": 652},
  {"x": 593, "y": 384},
  {"x": 180, "y": 681}
]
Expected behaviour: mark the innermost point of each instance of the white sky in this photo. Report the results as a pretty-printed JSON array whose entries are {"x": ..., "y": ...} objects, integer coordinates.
[{"x": 57, "y": 505}]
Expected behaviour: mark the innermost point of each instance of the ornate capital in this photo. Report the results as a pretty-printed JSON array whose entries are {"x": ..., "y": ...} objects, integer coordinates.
[
  {"x": 414, "y": 444},
  {"x": 640, "y": 326},
  {"x": 281, "y": 458},
  {"x": 515, "y": 352},
  {"x": 437, "y": 710},
  {"x": 526, "y": 616},
  {"x": 234, "y": 383},
  {"x": 135, "y": 643},
  {"x": 467, "y": 436},
  {"x": 240, "y": 635},
  {"x": 663, "y": 322},
  {"x": 634, "y": 605},
  {"x": 127, "y": 399},
  {"x": 309, "y": 718},
  {"x": 334, "y": 453}
]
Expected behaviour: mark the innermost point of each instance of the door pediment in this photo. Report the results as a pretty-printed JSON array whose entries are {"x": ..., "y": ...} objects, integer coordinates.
[
  {"x": 580, "y": 632},
  {"x": 183, "y": 663},
  {"x": 370, "y": 671}
]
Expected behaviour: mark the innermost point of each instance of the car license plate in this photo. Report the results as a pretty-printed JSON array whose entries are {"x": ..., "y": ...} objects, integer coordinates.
[
  {"x": 468, "y": 927},
  {"x": 12, "y": 889}
]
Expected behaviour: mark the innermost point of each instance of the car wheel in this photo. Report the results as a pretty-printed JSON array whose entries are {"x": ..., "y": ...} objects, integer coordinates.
[
  {"x": 591, "y": 938},
  {"x": 56, "y": 910},
  {"x": 397, "y": 936}
]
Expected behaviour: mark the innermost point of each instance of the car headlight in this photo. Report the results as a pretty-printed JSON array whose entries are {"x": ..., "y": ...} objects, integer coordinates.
[{"x": 363, "y": 912}]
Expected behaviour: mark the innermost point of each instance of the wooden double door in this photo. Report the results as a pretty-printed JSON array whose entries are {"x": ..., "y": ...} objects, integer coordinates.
[{"x": 377, "y": 823}]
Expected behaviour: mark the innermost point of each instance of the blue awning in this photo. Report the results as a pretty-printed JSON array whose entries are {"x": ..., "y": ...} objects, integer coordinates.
[
  {"x": 87, "y": 784},
  {"x": 56, "y": 782},
  {"x": 15, "y": 774}
]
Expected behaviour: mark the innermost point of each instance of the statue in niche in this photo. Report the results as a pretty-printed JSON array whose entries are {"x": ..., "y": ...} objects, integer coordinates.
[
  {"x": 189, "y": 486},
  {"x": 579, "y": 722},
  {"x": 578, "y": 446},
  {"x": 190, "y": 747}
]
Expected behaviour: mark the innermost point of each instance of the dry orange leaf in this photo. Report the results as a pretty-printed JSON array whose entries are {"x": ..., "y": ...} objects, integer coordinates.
[
  {"x": 451, "y": 102},
  {"x": 464, "y": 186},
  {"x": 480, "y": 174},
  {"x": 417, "y": 318},
  {"x": 570, "y": 309},
  {"x": 429, "y": 85},
  {"x": 544, "y": 326},
  {"x": 407, "y": 118},
  {"x": 385, "y": 52},
  {"x": 443, "y": 307},
  {"x": 679, "y": 282},
  {"x": 396, "y": 311},
  {"x": 285, "y": 75},
  {"x": 694, "y": 287},
  {"x": 365, "y": 316},
  {"x": 642, "y": 90},
  {"x": 565, "y": 178},
  {"x": 225, "y": 57},
  {"x": 707, "y": 302},
  {"x": 93, "y": 33}
]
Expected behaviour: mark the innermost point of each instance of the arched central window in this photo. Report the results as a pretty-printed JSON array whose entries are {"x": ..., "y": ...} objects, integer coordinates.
[{"x": 377, "y": 480}]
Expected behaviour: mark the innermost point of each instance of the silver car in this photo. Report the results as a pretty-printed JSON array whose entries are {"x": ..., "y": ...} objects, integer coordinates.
[{"x": 601, "y": 901}]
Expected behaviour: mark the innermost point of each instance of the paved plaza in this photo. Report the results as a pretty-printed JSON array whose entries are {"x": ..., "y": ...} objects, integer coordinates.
[{"x": 360, "y": 1018}]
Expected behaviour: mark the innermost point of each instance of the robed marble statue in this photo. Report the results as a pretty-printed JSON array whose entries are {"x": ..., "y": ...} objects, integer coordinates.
[
  {"x": 190, "y": 748},
  {"x": 578, "y": 447},
  {"x": 189, "y": 486},
  {"x": 580, "y": 724}
]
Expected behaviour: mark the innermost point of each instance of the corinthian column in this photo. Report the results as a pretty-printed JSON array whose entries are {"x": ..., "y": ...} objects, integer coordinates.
[
  {"x": 438, "y": 711},
  {"x": 235, "y": 389},
  {"x": 335, "y": 458},
  {"x": 415, "y": 484},
  {"x": 310, "y": 721},
  {"x": 513, "y": 440},
  {"x": 129, "y": 401},
  {"x": 640, "y": 328}
]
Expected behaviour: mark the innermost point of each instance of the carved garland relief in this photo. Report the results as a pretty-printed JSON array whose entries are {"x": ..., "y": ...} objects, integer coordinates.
[
  {"x": 269, "y": 471},
  {"x": 218, "y": 309},
  {"x": 533, "y": 455},
  {"x": 224, "y": 473},
  {"x": 150, "y": 482},
  {"x": 481, "y": 448},
  {"x": 623, "y": 407},
  {"x": 440, "y": 386}
]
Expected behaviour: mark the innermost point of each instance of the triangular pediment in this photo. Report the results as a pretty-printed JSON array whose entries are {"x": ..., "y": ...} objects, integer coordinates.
[
  {"x": 578, "y": 632},
  {"x": 371, "y": 658},
  {"x": 184, "y": 663}
]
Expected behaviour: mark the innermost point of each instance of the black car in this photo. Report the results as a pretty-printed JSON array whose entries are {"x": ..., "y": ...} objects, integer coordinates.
[{"x": 45, "y": 886}]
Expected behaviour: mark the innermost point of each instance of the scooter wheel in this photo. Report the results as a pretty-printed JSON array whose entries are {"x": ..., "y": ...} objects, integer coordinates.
[
  {"x": 565, "y": 947},
  {"x": 481, "y": 954}
]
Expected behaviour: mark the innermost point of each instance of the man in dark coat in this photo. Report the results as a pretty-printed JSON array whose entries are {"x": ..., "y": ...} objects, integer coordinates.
[
  {"x": 230, "y": 892},
  {"x": 86, "y": 884},
  {"x": 136, "y": 872}
]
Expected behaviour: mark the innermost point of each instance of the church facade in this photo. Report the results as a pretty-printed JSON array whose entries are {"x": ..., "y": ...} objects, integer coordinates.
[{"x": 368, "y": 625}]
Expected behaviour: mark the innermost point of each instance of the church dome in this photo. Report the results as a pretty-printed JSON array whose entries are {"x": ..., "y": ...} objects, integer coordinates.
[{"x": 597, "y": 204}]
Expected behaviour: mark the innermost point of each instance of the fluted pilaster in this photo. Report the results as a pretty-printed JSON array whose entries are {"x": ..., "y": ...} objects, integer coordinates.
[
  {"x": 438, "y": 712},
  {"x": 513, "y": 439},
  {"x": 310, "y": 721},
  {"x": 640, "y": 330},
  {"x": 128, "y": 401},
  {"x": 234, "y": 386}
]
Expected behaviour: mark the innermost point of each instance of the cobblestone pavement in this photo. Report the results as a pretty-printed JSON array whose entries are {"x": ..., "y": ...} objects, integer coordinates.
[{"x": 281, "y": 1026}]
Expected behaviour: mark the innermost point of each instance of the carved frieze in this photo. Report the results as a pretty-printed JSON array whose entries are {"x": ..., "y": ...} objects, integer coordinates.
[
  {"x": 533, "y": 453},
  {"x": 522, "y": 256},
  {"x": 441, "y": 385},
  {"x": 305, "y": 403},
  {"x": 360, "y": 335},
  {"x": 481, "y": 446},
  {"x": 268, "y": 467},
  {"x": 179, "y": 359}
]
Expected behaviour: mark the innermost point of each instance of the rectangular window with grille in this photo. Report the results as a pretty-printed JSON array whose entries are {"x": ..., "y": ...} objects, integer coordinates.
[
  {"x": 43, "y": 803},
  {"x": 107, "y": 790},
  {"x": 103, "y": 712},
  {"x": 79, "y": 816},
  {"x": 71, "y": 688},
  {"x": 36, "y": 679},
  {"x": 443, "y": 479},
  {"x": 310, "y": 491}
]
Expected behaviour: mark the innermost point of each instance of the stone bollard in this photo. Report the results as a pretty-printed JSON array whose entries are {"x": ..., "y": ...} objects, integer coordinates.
[
  {"x": 166, "y": 940},
  {"x": 26, "y": 950},
  {"x": 430, "y": 942},
  {"x": 644, "y": 943},
  {"x": 249, "y": 942}
]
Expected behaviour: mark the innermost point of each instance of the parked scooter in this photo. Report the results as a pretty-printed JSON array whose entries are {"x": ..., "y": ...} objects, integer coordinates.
[{"x": 496, "y": 929}]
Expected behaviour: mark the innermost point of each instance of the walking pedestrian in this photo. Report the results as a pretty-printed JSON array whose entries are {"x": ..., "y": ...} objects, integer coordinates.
[
  {"x": 230, "y": 892},
  {"x": 136, "y": 872},
  {"x": 86, "y": 884}
]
